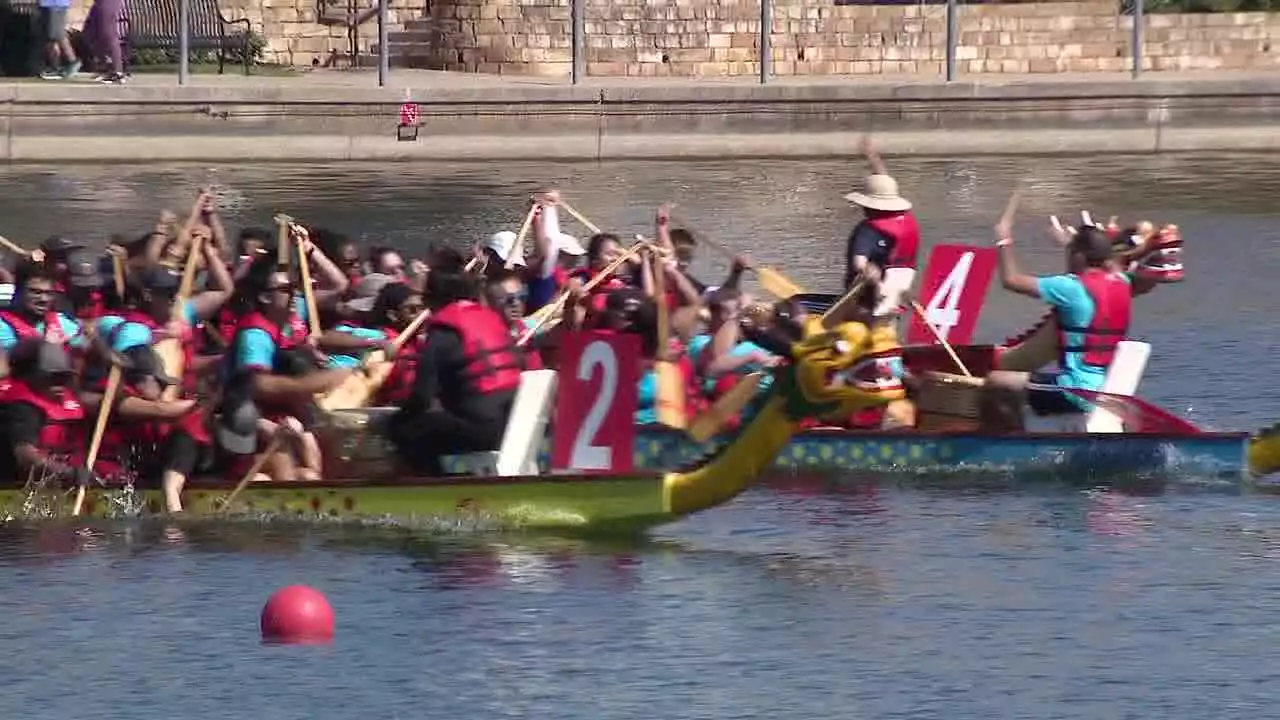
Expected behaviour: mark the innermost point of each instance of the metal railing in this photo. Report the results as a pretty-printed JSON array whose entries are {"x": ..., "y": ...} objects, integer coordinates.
[{"x": 577, "y": 10}]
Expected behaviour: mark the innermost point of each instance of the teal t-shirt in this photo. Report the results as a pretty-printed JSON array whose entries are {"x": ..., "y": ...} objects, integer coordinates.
[{"x": 363, "y": 333}]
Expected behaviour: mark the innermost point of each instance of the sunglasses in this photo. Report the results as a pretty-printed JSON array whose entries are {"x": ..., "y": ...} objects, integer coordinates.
[
  {"x": 515, "y": 298},
  {"x": 290, "y": 287}
]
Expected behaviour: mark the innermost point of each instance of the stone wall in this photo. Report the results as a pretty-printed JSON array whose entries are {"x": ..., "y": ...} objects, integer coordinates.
[{"x": 654, "y": 38}]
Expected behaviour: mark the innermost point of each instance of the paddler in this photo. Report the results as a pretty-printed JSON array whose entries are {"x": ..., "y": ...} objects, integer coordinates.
[
  {"x": 273, "y": 365},
  {"x": 884, "y": 244},
  {"x": 32, "y": 312},
  {"x": 384, "y": 317},
  {"x": 1092, "y": 302},
  {"x": 467, "y": 374},
  {"x": 42, "y": 428},
  {"x": 155, "y": 441},
  {"x": 83, "y": 298}
]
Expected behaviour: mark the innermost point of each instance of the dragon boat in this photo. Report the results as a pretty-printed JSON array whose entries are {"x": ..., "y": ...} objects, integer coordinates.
[{"x": 827, "y": 373}]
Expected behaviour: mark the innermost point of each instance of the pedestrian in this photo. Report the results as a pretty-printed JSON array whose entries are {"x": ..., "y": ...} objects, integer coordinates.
[{"x": 61, "y": 58}]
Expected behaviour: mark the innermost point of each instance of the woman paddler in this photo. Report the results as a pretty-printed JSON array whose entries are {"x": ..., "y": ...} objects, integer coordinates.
[
  {"x": 273, "y": 365},
  {"x": 383, "y": 317},
  {"x": 42, "y": 424},
  {"x": 149, "y": 439}
]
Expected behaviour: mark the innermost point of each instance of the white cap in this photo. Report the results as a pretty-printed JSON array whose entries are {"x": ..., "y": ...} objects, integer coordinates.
[
  {"x": 502, "y": 243},
  {"x": 569, "y": 245}
]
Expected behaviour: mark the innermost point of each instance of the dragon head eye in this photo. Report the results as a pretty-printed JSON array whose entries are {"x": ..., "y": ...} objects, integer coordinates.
[{"x": 842, "y": 347}]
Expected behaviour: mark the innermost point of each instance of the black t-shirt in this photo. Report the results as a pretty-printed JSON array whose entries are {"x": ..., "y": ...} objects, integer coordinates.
[
  {"x": 20, "y": 424},
  {"x": 870, "y": 243}
]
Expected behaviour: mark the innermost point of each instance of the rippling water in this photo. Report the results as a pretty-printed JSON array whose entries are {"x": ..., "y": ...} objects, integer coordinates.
[{"x": 797, "y": 601}]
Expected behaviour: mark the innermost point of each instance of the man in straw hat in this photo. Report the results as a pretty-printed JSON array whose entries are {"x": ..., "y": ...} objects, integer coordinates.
[{"x": 883, "y": 246}]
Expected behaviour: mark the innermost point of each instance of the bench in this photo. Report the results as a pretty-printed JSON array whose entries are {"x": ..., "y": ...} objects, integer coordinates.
[
  {"x": 523, "y": 437},
  {"x": 153, "y": 25}
]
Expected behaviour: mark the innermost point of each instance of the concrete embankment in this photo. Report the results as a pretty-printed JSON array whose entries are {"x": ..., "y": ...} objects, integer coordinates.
[{"x": 259, "y": 119}]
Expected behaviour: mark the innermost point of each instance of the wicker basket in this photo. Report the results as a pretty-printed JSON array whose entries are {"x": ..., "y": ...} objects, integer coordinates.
[{"x": 946, "y": 402}]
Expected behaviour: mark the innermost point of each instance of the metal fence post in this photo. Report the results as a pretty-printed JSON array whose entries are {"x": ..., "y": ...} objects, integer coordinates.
[
  {"x": 184, "y": 41},
  {"x": 1138, "y": 21},
  {"x": 384, "y": 52},
  {"x": 578, "y": 23},
  {"x": 766, "y": 40},
  {"x": 952, "y": 40}
]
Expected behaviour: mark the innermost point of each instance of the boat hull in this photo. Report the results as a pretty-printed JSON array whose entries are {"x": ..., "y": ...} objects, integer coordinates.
[
  {"x": 559, "y": 502},
  {"x": 1209, "y": 456}
]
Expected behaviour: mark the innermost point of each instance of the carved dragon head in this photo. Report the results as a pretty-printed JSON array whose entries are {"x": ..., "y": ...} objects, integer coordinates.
[
  {"x": 1150, "y": 253},
  {"x": 842, "y": 369}
]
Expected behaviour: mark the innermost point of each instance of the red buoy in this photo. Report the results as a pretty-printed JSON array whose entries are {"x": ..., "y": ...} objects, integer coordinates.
[{"x": 297, "y": 614}]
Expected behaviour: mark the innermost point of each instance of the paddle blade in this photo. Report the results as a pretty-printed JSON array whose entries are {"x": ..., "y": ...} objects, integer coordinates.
[
  {"x": 777, "y": 284},
  {"x": 954, "y": 288},
  {"x": 671, "y": 395},
  {"x": 715, "y": 418},
  {"x": 1138, "y": 415}
]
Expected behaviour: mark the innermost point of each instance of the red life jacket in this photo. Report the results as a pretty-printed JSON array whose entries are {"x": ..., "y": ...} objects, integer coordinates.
[
  {"x": 1112, "y": 301},
  {"x": 493, "y": 360},
  {"x": 903, "y": 230},
  {"x": 600, "y": 293},
  {"x": 93, "y": 309},
  {"x": 24, "y": 330},
  {"x": 63, "y": 429},
  {"x": 532, "y": 359},
  {"x": 399, "y": 383}
]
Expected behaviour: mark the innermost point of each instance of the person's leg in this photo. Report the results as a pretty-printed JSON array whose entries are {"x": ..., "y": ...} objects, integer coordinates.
[
  {"x": 422, "y": 442},
  {"x": 49, "y": 34}
]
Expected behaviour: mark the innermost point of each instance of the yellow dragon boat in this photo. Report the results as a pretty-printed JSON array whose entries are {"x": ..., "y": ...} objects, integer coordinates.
[{"x": 828, "y": 375}]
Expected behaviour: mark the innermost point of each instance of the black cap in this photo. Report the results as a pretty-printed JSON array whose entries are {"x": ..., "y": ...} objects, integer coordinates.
[
  {"x": 84, "y": 271},
  {"x": 237, "y": 428},
  {"x": 58, "y": 245},
  {"x": 35, "y": 357},
  {"x": 141, "y": 361},
  {"x": 161, "y": 279}
]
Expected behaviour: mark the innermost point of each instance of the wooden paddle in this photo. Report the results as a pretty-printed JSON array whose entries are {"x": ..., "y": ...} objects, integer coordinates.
[
  {"x": 117, "y": 274},
  {"x": 356, "y": 390},
  {"x": 517, "y": 248},
  {"x": 13, "y": 247},
  {"x": 308, "y": 292},
  {"x": 545, "y": 314},
  {"x": 258, "y": 463},
  {"x": 670, "y": 398},
  {"x": 169, "y": 350},
  {"x": 95, "y": 444},
  {"x": 590, "y": 226},
  {"x": 924, "y": 318},
  {"x": 282, "y": 240},
  {"x": 773, "y": 282}
]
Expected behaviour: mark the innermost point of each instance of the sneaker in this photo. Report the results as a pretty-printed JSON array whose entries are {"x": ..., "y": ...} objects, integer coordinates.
[
  {"x": 112, "y": 79},
  {"x": 71, "y": 69},
  {"x": 51, "y": 75}
]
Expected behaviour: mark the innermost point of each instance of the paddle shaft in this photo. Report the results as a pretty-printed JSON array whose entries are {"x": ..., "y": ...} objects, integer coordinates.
[
  {"x": 517, "y": 246},
  {"x": 13, "y": 247},
  {"x": 259, "y": 462},
  {"x": 282, "y": 239},
  {"x": 550, "y": 310},
  {"x": 592, "y": 227},
  {"x": 100, "y": 427},
  {"x": 941, "y": 340},
  {"x": 308, "y": 292}
]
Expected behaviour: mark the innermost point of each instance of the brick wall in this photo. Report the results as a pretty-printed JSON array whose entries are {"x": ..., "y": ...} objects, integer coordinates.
[{"x": 652, "y": 38}]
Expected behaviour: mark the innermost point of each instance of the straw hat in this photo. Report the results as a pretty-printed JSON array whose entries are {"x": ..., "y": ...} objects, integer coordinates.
[{"x": 880, "y": 192}]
